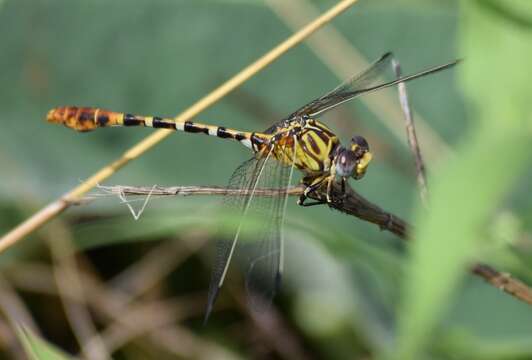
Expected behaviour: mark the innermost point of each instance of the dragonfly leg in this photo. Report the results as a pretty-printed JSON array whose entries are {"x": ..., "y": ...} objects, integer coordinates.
[
  {"x": 339, "y": 200},
  {"x": 344, "y": 193},
  {"x": 317, "y": 202},
  {"x": 330, "y": 181},
  {"x": 316, "y": 183},
  {"x": 343, "y": 187},
  {"x": 312, "y": 185}
]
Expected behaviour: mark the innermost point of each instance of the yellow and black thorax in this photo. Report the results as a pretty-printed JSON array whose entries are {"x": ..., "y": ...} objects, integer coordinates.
[{"x": 309, "y": 144}]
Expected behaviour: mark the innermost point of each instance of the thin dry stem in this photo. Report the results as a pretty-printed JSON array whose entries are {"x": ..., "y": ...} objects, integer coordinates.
[
  {"x": 109, "y": 304},
  {"x": 14, "y": 308},
  {"x": 58, "y": 206},
  {"x": 9, "y": 342},
  {"x": 275, "y": 329},
  {"x": 144, "y": 274},
  {"x": 504, "y": 282},
  {"x": 193, "y": 190},
  {"x": 16, "y": 314},
  {"x": 337, "y": 53},
  {"x": 68, "y": 282},
  {"x": 155, "y": 319},
  {"x": 411, "y": 136},
  {"x": 126, "y": 327}
]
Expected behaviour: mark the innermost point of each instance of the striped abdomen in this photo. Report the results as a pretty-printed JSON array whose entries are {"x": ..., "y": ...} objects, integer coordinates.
[{"x": 87, "y": 119}]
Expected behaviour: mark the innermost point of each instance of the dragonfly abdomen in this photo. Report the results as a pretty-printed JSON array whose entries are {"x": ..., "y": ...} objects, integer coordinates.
[
  {"x": 87, "y": 119},
  {"x": 84, "y": 119}
]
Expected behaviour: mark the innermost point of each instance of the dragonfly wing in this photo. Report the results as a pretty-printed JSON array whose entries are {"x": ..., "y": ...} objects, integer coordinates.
[
  {"x": 244, "y": 178},
  {"x": 257, "y": 245},
  {"x": 368, "y": 81},
  {"x": 348, "y": 89},
  {"x": 262, "y": 255}
]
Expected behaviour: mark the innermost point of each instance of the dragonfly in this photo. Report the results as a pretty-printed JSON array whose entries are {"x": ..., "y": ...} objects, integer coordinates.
[{"x": 299, "y": 141}]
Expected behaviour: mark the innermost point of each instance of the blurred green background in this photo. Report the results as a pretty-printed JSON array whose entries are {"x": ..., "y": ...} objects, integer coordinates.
[{"x": 98, "y": 283}]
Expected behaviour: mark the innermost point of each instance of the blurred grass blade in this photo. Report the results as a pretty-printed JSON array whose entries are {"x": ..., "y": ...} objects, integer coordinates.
[
  {"x": 445, "y": 240},
  {"x": 468, "y": 190},
  {"x": 37, "y": 348}
]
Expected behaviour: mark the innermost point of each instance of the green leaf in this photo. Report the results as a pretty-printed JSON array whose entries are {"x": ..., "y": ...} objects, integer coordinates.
[
  {"x": 467, "y": 190},
  {"x": 37, "y": 348},
  {"x": 466, "y": 346}
]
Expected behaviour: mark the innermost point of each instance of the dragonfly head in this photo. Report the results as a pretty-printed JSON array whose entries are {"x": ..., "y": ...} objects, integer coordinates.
[{"x": 354, "y": 159}]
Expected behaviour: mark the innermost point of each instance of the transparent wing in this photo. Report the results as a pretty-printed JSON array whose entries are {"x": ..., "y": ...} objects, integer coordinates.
[
  {"x": 262, "y": 251},
  {"x": 368, "y": 81},
  {"x": 244, "y": 178},
  {"x": 257, "y": 245},
  {"x": 347, "y": 90}
]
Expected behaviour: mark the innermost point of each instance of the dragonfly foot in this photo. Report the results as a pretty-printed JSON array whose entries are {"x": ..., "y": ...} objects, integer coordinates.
[
  {"x": 312, "y": 203},
  {"x": 304, "y": 196},
  {"x": 338, "y": 201}
]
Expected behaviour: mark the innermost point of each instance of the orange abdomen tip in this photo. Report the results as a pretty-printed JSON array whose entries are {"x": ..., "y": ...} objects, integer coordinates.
[
  {"x": 56, "y": 115},
  {"x": 77, "y": 118}
]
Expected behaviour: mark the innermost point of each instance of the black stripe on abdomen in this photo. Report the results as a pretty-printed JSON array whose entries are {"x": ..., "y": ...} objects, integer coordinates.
[
  {"x": 102, "y": 120},
  {"x": 190, "y": 127},
  {"x": 162, "y": 124},
  {"x": 86, "y": 116},
  {"x": 222, "y": 133},
  {"x": 132, "y": 120}
]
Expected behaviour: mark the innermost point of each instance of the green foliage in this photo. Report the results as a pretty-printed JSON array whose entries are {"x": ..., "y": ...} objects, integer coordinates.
[{"x": 470, "y": 188}]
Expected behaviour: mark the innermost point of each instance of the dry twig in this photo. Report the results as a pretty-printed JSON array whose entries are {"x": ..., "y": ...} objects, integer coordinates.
[
  {"x": 16, "y": 314},
  {"x": 115, "y": 305},
  {"x": 68, "y": 282},
  {"x": 356, "y": 205},
  {"x": 412, "y": 138},
  {"x": 192, "y": 190}
]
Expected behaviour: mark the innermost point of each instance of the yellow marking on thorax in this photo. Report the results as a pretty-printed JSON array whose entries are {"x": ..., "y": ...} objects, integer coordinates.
[{"x": 313, "y": 148}]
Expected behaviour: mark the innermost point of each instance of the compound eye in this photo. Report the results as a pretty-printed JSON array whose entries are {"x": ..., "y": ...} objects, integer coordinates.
[
  {"x": 360, "y": 142},
  {"x": 345, "y": 162}
]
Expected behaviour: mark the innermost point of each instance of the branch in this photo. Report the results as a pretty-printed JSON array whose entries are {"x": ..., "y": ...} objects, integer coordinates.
[
  {"x": 352, "y": 203},
  {"x": 68, "y": 282},
  {"x": 412, "y": 137},
  {"x": 193, "y": 190}
]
